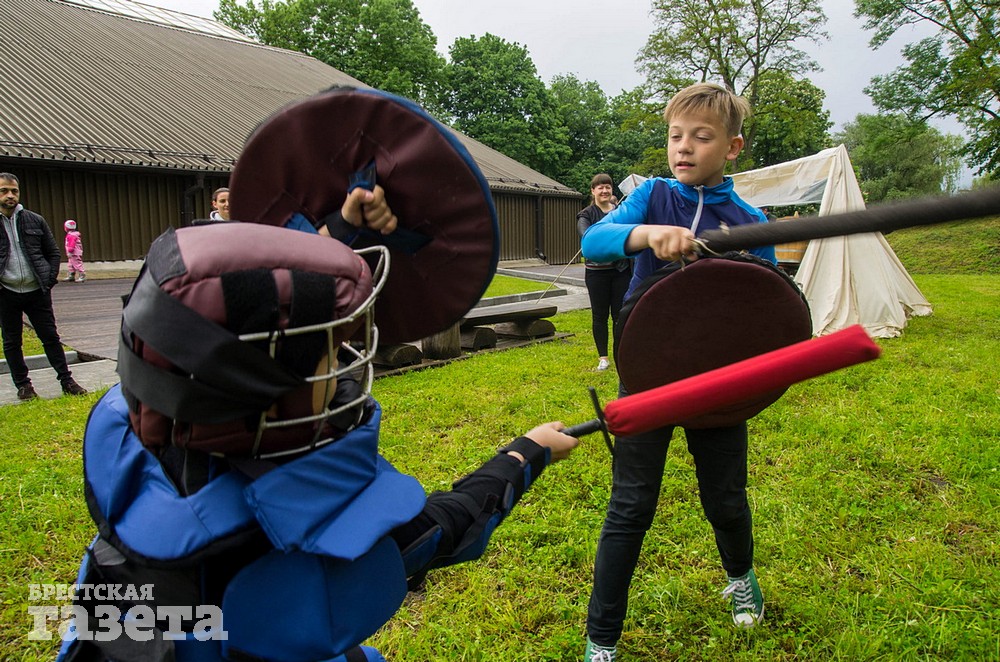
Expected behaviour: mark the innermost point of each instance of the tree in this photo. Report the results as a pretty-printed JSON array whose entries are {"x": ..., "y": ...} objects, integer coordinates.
[
  {"x": 898, "y": 157},
  {"x": 382, "y": 43},
  {"x": 494, "y": 95},
  {"x": 789, "y": 119},
  {"x": 733, "y": 42},
  {"x": 583, "y": 108},
  {"x": 640, "y": 144},
  {"x": 954, "y": 73},
  {"x": 618, "y": 136}
]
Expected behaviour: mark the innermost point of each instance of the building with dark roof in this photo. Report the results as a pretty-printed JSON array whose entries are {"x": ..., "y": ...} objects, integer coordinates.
[{"x": 125, "y": 117}]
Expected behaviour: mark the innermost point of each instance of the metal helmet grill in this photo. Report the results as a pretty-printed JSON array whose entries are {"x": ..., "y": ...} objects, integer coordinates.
[
  {"x": 359, "y": 355},
  {"x": 230, "y": 329}
]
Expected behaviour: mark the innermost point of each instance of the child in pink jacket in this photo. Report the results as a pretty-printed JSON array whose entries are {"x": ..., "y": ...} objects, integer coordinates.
[{"x": 74, "y": 253}]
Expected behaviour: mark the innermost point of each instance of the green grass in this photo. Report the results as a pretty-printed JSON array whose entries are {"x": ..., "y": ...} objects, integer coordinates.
[
  {"x": 961, "y": 247},
  {"x": 505, "y": 285},
  {"x": 31, "y": 344},
  {"x": 875, "y": 492}
]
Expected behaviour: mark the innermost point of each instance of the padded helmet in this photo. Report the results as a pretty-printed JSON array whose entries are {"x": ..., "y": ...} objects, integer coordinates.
[
  {"x": 223, "y": 331},
  {"x": 69, "y": 225}
]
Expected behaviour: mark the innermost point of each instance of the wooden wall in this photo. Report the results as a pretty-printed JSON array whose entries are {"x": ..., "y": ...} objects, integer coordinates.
[
  {"x": 120, "y": 212},
  {"x": 533, "y": 224}
]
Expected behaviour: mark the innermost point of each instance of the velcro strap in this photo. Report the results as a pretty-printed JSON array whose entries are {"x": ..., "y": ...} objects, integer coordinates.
[{"x": 228, "y": 373}]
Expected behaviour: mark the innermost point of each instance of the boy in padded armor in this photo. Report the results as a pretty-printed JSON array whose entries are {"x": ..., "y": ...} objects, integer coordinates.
[{"x": 235, "y": 470}]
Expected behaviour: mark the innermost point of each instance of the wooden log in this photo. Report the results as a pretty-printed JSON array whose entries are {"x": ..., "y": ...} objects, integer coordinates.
[
  {"x": 397, "y": 356},
  {"x": 478, "y": 337},
  {"x": 537, "y": 328},
  {"x": 444, "y": 345}
]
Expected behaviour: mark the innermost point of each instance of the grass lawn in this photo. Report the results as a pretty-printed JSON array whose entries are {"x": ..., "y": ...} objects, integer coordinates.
[
  {"x": 506, "y": 285},
  {"x": 875, "y": 492}
]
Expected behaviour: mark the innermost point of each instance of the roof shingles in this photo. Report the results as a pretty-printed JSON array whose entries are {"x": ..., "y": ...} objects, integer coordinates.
[{"x": 100, "y": 87}]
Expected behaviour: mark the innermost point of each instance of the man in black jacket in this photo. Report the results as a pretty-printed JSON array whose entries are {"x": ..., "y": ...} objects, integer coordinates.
[{"x": 29, "y": 267}]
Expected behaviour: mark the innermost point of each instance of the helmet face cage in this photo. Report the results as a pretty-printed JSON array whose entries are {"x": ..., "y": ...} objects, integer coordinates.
[{"x": 361, "y": 352}]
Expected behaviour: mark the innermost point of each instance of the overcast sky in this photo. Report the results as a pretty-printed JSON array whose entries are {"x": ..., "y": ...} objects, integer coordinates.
[{"x": 599, "y": 40}]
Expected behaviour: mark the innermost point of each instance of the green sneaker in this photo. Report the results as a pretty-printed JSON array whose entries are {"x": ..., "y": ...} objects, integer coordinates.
[
  {"x": 595, "y": 653},
  {"x": 748, "y": 602}
]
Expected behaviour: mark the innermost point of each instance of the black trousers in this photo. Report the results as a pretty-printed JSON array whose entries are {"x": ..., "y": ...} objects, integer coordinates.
[
  {"x": 720, "y": 459},
  {"x": 37, "y": 305},
  {"x": 606, "y": 288}
]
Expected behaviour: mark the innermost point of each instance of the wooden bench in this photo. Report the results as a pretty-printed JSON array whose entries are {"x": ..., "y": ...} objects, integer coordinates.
[
  {"x": 397, "y": 356},
  {"x": 477, "y": 330},
  {"x": 480, "y": 327},
  {"x": 524, "y": 319}
]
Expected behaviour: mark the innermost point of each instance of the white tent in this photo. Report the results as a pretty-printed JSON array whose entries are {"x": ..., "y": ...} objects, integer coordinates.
[
  {"x": 849, "y": 280},
  {"x": 630, "y": 183}
]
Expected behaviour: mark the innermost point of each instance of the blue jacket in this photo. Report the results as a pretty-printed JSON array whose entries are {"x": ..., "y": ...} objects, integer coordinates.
[{"x": 661, "y": 201}]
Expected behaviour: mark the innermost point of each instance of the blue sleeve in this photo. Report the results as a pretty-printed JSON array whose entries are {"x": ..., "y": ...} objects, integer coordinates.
[
  {"x": 300, "y": 223},
  {"x": 605, "y": 240},
  {"x": 766, "y": 253}
]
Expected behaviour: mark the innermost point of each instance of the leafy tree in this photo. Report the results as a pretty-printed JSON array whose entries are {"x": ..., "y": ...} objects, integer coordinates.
[
  {"x": 640, "y": 144},
  {"x": 898, "y": 157},
  {"x": 954, "y": 73},
  {"x": 616, "y": 136},
  {"x": 274, "y": 23},
  {"x": 733, "y": 42},
  {"x": 789, "y": 119},
  {"x": 382, "y": 43},
  {"x": 494, "y": 95},
  {"x": 583, "y": 109}
]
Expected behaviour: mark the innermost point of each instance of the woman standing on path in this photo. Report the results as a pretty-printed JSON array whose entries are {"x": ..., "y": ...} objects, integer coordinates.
[{"x": 606, "y": 281}]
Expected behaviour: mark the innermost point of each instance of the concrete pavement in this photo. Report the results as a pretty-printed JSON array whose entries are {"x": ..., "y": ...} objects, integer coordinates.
[{"x": 92, "y": 375}]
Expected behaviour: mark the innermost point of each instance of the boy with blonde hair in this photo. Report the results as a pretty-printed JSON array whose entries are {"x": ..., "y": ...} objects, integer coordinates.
[{"x": 657, "y": 225}]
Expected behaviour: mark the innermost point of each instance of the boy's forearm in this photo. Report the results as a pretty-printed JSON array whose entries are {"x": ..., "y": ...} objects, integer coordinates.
[
  {"x": 638, "y": 239},
  {"x": 605, "y": 242}
]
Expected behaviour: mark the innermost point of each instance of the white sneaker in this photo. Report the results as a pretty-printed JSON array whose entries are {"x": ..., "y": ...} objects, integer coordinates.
[{"x": 603, "y": 365}]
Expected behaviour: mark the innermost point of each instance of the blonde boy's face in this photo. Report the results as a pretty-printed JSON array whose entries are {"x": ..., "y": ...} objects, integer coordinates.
[{"x": 698, "y": 147}]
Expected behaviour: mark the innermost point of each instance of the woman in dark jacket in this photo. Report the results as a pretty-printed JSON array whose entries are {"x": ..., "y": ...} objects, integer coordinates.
[{"x": 606, "y": 281}]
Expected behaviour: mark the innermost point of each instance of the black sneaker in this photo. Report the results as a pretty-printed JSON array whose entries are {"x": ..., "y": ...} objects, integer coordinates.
[
  {"x": 26, "y": 392},
  {"x": 70, "y": 387}
]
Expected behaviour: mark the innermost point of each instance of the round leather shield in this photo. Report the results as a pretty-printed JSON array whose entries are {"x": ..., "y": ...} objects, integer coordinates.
[
  {"x": 682, "y": 322},
  {"x": 306, "y": 157}
]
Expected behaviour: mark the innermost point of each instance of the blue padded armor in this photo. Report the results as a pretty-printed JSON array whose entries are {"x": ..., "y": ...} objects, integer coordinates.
[{"x": 332, "y": 568}]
